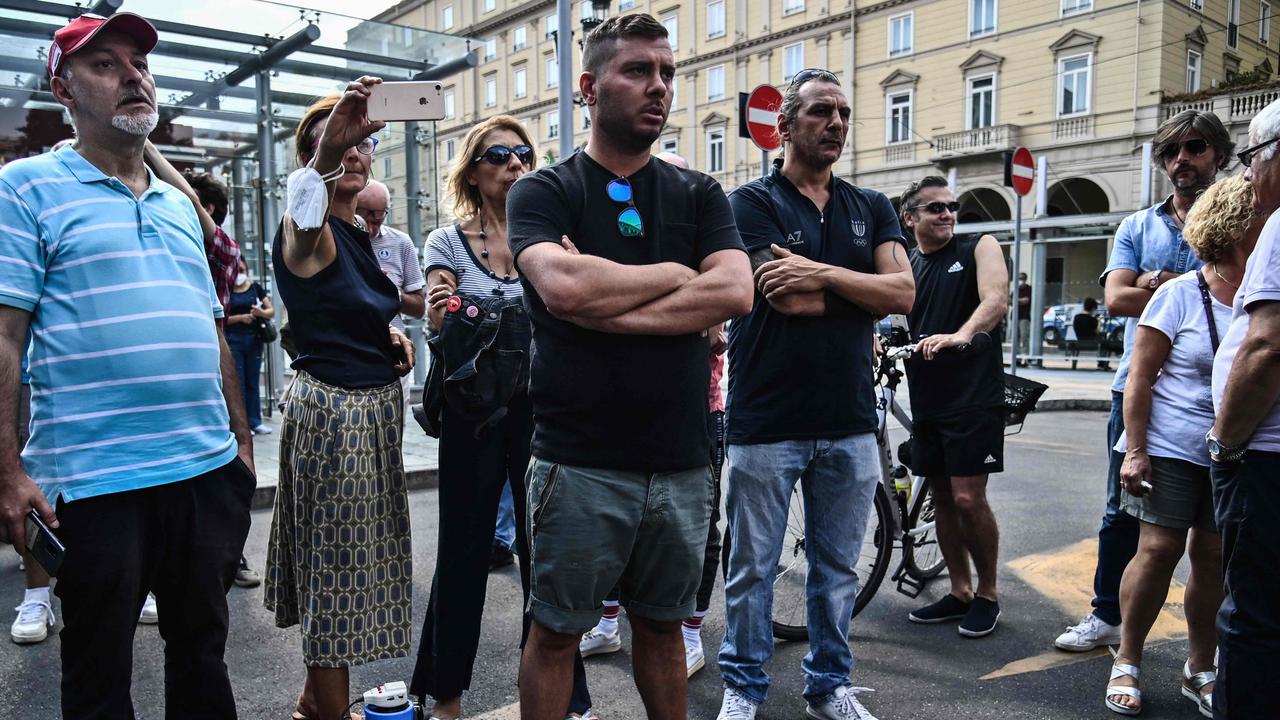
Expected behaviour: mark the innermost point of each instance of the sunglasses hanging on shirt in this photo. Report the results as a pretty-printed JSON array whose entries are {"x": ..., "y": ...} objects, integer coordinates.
[{"x": 629, "y": 222}]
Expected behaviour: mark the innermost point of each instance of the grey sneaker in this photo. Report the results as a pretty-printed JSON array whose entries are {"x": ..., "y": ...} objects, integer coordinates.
[
  {"x": 595, "y": 642},
  {"x": 736, "y": 706},
  {"x": 841, "y": 705},
  {"x": 1089, "y": 633}
]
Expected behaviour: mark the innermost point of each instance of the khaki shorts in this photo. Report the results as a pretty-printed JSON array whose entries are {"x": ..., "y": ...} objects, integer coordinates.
[{"x": 591, "y": 529}]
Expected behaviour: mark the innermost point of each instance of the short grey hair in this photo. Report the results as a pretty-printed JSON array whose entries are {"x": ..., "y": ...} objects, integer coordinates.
[{"x": 1265, "y": 126}]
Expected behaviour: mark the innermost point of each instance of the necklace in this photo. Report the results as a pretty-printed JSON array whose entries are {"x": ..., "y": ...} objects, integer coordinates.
[
  {"x": 484, "y": 255},
  {"x": 1215, "y": 272},
  {"x": 1181, "y": 219}
]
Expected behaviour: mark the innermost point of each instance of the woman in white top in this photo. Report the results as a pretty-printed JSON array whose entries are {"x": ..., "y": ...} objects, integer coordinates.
[{"x": 1168, "y": 408}]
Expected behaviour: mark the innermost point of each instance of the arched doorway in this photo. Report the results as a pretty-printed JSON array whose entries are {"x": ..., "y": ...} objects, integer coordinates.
[
  {"x": 1077, "y": 196},
  {"x": 982, "y": 205}
]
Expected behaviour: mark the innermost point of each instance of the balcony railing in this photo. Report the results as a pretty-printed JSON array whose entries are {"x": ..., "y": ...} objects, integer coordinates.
[
  {"x": 1231, "y": 108},
  {"x": 1074, "y": 128},
  {"x": 978, "y": 140},
  {"x": 900, "y": 153}
]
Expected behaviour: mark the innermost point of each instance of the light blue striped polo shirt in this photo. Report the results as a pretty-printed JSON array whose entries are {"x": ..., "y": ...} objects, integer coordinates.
[{"x": 126, "y": 390}]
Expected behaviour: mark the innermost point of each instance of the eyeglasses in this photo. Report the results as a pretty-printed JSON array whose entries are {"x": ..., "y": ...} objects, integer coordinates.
[
  {"x": 937, "y": 207},
  {"x": 501, "y": 154},
  {"x": 374, "y": 215},
  {"x": 629, "y": 222},
  {"x": 364, "y": 147},
  {"x": 1195, "y": 146},
  {"x": 808, "y": 74},
  {"x": 1246, "y": 155}
]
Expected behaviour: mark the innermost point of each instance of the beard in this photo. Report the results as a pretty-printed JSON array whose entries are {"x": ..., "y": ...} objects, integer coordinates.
[
  {"x": 140, "y": 124},
  {"x": 1193, "y": 184},
  {"x": 617, "y": 122}
]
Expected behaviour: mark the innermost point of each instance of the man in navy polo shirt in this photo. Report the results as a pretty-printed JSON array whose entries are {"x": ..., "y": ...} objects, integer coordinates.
[{"x": 829, "y": 259}]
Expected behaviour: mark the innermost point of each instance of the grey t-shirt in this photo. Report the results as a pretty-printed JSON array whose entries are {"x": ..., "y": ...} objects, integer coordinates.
[{"x": 398, "y": 258}]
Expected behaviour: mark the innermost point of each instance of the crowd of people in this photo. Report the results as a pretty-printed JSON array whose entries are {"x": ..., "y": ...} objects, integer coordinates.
[{"x": 613, "y": 270}]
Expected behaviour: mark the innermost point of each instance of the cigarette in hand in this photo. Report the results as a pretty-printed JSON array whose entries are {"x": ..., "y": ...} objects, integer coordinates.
[{"x": 1146, "y": 484}]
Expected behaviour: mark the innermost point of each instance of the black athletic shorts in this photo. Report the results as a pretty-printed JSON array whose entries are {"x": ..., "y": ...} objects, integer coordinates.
[{"x": 962, "y": 445}]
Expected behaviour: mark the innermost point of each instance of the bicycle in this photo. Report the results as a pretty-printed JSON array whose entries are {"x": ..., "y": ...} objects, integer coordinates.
[{"x": 903, "y": 504}]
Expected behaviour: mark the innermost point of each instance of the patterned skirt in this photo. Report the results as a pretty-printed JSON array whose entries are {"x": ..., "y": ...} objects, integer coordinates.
[{"x": 339, "y": 560}]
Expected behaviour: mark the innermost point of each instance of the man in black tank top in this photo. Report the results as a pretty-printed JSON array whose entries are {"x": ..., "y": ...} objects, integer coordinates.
[{"x": 957, "y": 395}]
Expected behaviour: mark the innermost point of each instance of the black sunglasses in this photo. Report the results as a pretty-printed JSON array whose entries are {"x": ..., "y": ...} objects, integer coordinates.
[
  {"x": 1246, "y": 155},
  {"x": 808, "y": 74},
  {"x": 501, "y": 154},
  {"x": 937, "y": 207},
  {"x": 1194, "y": 146}
]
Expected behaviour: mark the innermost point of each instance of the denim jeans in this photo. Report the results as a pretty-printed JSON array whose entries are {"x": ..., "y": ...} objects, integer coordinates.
[
  {"x": 246, "y": 349},
  {"x": 505, "y": 534},
  {"x": 838, "y": 480},
  {"x": 1118, "y": 536}
]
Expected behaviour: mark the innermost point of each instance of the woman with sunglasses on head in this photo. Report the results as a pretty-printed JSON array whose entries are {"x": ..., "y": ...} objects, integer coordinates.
[
  {"x": 471, "y": 277},
  {"x": 1168, "y": 408},
  {"x": 339, "y": 559}
]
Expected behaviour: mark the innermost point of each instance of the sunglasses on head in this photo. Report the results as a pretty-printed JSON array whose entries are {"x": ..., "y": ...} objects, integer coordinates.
[
  {"x": 937, "y": 207},
  {"x": 1195, "y": 146},
  {"x": 501, "y": 154},
  {"x": 1246, "y": 156},
  {"x": 808, "y": 74},
  {"x": 629, "y": 222}
]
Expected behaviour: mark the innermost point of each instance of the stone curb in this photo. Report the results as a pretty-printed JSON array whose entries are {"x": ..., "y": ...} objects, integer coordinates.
[{"x": 1074, "y": 404}]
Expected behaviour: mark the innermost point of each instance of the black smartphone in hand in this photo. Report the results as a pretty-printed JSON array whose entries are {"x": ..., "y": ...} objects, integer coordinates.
[{"x": 43, "y": 546}]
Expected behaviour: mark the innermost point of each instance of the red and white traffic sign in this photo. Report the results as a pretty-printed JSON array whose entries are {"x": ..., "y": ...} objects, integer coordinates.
[
  {"x": 1022, "y": 172},
  {"x": 762, "y": 117}
]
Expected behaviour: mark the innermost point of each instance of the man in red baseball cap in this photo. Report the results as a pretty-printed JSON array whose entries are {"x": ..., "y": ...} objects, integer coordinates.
[{"x": 79, "y": 32}]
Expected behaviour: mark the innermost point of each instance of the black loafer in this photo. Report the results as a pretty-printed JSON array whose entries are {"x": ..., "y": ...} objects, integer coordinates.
[
  {"x": 949, "y": 607},
  {"x": 981, "y": 618}
]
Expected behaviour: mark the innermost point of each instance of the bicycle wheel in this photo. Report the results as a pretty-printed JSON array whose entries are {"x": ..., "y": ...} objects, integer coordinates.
[
  {"x": 921, "y": 555},
  {"x": 790, "y": 615}
]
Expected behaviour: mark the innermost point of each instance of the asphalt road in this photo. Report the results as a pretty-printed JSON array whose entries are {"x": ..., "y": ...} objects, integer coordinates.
[{"x": 1048, "y": 503}]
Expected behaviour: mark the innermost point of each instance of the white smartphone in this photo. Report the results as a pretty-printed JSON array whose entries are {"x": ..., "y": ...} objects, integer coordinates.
[{"x": 410, "y": 100}]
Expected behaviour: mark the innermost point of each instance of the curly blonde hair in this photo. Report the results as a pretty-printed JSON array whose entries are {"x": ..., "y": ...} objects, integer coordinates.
[
  {"x": 465, "y": 197},
  {"x": 1220, "y": 218}
]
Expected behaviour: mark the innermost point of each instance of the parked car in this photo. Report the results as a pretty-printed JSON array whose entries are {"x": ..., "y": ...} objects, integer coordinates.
[{"x": 1057, "y": 319}]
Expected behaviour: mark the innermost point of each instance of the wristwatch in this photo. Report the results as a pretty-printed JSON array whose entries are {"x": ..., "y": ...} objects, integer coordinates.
[
  {"x": 1220, "y": 453},
  {"x": 1154, "y": 282}
]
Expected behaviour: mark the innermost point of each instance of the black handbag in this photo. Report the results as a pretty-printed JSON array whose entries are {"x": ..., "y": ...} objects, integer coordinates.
[{"x": 267, "y": 331}]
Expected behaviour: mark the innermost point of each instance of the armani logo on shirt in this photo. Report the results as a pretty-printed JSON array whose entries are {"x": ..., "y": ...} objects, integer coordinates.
[
  {"x": 955, "y": 267},
  {"x": 793, "y": 238}
]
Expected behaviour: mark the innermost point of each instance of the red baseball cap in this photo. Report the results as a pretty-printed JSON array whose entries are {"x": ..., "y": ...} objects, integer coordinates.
[{"x": 77, "y": 33}]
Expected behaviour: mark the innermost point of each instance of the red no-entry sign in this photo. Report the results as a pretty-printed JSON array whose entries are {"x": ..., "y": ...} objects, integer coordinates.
[
  {"x": 1022, "y": 171},
  {"x": 762, "y": 117}
]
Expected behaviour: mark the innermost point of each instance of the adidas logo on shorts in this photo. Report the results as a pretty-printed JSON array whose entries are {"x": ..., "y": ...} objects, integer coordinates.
[{"x": 989, "y": 460}]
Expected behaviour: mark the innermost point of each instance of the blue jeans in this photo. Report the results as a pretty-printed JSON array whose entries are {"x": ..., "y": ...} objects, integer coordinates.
[
  {"x": 246, "y": 348},
  {"x": 1118, "y": 536},
  {"x": 838, "y": 480},
  {"x": 505, "y": 534}
]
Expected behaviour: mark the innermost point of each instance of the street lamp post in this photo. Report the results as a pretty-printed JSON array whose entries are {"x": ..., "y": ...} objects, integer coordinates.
[{"x": 564, "y": 63}]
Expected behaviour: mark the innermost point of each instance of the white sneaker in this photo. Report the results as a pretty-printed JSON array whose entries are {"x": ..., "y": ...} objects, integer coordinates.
[
  {"x": 595, "y": 642},
  {"x": 35, "y": 617},
  {"x": 694, "y": 660},
  {"x": 1089, "y": 633},
  {"x": 262, "y": 429},
  {"x": 149, "y": 615},
  {"x": 736, "y": 706},
  {"x": 841, "y": 705}
]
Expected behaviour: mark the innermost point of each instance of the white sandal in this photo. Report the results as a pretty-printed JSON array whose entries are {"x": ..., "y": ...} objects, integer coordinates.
[
  {"x": 1120, "y": 670},
  {"x": 1192, "y": 684}
]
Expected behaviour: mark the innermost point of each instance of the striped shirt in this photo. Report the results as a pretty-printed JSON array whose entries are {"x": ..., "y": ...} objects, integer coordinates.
[
  {"x": 447, "y": 250},
  {"x": 398, "y": 258},
  {"x": 126, "y": 389}
]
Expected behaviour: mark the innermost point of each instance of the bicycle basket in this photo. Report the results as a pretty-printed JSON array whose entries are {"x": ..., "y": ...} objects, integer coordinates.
[{"x": 1020, "y": 397}]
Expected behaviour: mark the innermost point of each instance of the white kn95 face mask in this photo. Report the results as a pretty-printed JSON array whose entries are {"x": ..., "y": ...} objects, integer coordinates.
[{"x": 307, "y": 196}]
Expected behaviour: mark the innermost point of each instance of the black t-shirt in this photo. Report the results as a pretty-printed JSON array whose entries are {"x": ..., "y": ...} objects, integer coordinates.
[
  {"x": 946, "y": 296},
  {"x": 806, "y": 377},
  {"x": 603, "y": 400},
  {"x": 1085, "y": 325},
  {"x": 240, "y": 304}
]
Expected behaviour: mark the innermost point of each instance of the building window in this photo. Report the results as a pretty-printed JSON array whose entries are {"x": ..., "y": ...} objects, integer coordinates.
[
  {"x": 1197, "y": 5},
  {"x": 553, "y": 71},
  {"x": 586, "y": 119},
  {"x": 490, "y": 91},
  {"x": 1264, "y": 23},
  {"x": 626, "y": 4},
  {"x": 386, "y": 167},
  {"x": 715, "y": 18},
  {"x": 1071, "y": 7},
  {"x": 898, "y": 120},
  {"x": 446, "y": 17},
  {"x": 553, "y": 124},
  {"x": 901, "y": 29},
  {"x": 450, "y": 149},
  {"x": 519, "y": 38},
  {"x": 520, "y": 82},
  {"x": 675, "y": 96},
  {"x": 792, "y": 60},
  {"x": 982, "y": 102},
  {"x": 792, "y": 6},
  {"x": 1073, "y": 85},
  {"x": 715, "y": 150},
  {"x": 715, "y": 82},
  {"x": 982, "y": 17},
  {"x": 490, "y": 48},
  {"x": 671, "y": 145},
  {"x": 448, "y": 105},
  {"x": 585, "y": 12},
  {"x": 488, "y": 5},
  {"x": 1193, "y": 71},
  {"x": 672, "y": 24},
  {"x": 1233, "y": 23}
]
